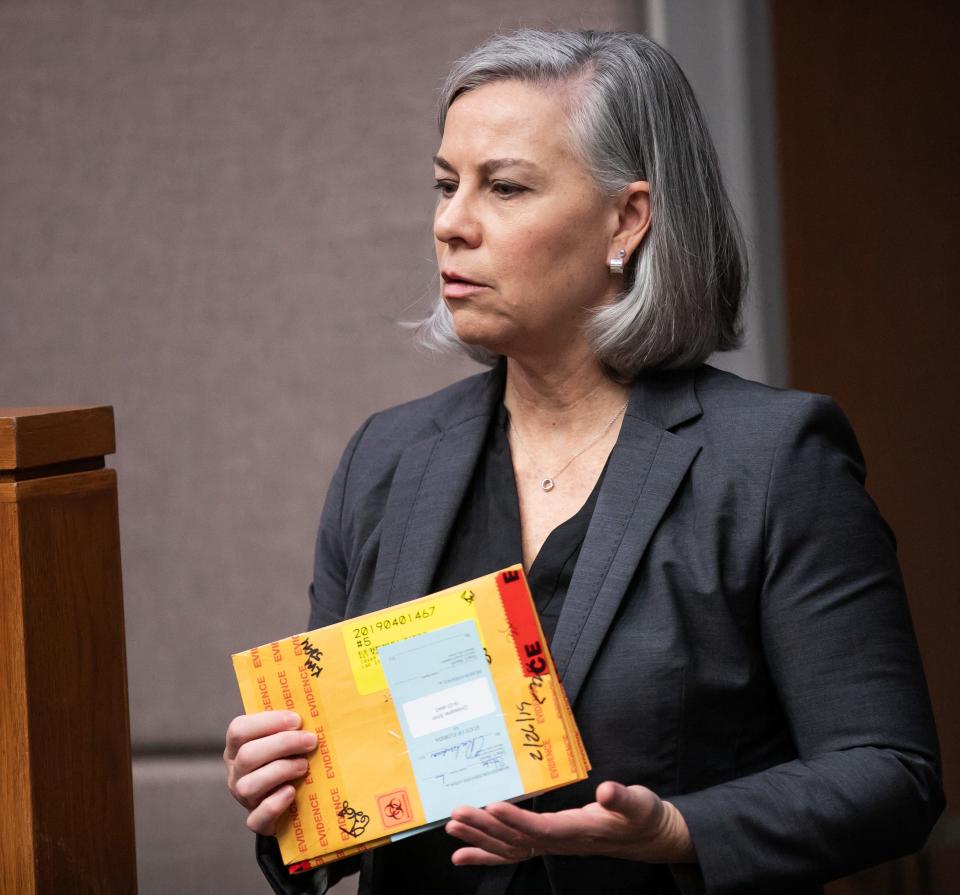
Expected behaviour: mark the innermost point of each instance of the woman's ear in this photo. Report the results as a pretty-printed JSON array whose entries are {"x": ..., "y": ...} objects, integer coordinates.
[{"x": 633, "y": 205}]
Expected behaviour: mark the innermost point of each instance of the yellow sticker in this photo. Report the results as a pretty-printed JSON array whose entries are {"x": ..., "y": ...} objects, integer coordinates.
[{"x": 364, "y": 636}]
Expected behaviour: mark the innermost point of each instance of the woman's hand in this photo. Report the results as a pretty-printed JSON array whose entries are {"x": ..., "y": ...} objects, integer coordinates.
[
  {"x": 264, "y": 753},
  {"x": 629, "y": 822}
]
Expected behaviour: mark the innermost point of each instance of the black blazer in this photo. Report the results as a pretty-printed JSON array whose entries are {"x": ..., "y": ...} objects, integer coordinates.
[{"x": 735, "y": 636}]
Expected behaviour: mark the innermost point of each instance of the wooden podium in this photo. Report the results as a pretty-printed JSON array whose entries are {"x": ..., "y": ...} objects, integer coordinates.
[{"x": 66, "y": 792}]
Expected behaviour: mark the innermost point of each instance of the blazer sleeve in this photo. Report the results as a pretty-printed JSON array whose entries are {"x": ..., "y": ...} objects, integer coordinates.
[
  {"x": 328, "y": 597},
  {"x": 840, "y": 647}
]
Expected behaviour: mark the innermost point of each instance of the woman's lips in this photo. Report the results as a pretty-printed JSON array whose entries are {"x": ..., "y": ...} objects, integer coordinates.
[
  {"x": 456, "y": 286},
  {"x": 461, "y": 289}
]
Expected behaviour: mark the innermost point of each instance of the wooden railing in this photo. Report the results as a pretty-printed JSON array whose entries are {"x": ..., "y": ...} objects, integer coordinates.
[{"x": 66, "y": 794}]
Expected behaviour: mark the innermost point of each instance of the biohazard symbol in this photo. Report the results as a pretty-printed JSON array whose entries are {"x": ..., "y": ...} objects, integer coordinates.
[{"x": 395, "y": 808}]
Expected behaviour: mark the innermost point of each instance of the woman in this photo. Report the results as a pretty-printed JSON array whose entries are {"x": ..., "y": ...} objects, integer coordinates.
[{"x": 722, "y": 599}]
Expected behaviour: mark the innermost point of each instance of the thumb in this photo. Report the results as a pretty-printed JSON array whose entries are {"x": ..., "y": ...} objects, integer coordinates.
[{"x": 636, "y": 803}]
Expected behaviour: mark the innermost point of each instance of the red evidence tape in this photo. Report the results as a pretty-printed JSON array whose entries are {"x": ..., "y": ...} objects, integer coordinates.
[
  {"x": 518, "y": 606},
  {"x": 300, "y": 867}
]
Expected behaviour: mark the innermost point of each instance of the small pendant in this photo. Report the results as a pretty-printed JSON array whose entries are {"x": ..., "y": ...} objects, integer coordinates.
[{"x": 547, "y": 484}]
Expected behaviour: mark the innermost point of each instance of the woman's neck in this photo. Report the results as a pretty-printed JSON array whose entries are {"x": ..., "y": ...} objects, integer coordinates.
[{"x": 562, "y": 399}]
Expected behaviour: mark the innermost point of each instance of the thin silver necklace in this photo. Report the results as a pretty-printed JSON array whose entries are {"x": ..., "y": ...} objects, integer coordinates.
[{"x": 548, "y": 483}]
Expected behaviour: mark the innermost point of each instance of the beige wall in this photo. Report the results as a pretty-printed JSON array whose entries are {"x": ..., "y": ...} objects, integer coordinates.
[{"x": 213, "y": 212}]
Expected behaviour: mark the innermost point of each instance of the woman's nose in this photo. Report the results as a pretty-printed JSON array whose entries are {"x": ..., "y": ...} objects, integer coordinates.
[{"x": 456, "y": 219}]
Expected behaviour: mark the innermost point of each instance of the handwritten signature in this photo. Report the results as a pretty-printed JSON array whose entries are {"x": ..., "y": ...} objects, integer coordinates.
[{"x": 468, "y": 749}]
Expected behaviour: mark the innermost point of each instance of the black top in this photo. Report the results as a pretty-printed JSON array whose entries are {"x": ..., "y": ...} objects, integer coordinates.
[{"x": 486, "y": 539}]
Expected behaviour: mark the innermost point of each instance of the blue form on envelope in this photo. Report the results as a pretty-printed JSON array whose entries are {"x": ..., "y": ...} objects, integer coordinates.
[{"x": 451, "y": 719}]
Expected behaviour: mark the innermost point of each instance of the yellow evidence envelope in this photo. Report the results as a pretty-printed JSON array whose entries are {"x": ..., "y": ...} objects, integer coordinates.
[{"x": 450, "y": 699}]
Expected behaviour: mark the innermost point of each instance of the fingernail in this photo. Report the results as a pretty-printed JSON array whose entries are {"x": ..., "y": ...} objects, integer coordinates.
[
  {"x": 309, "y": 740},
  {"x": 293, "y": 720}
]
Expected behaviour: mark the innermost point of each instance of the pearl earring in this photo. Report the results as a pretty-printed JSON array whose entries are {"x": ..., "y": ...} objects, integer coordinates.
[{"x": 616, "y": 264}]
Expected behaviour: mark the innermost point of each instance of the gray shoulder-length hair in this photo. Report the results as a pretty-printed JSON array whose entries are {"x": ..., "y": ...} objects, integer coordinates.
[{"x": 632, "y": 117}]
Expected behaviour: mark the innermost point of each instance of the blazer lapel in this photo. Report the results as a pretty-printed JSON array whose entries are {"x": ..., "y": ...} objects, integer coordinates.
[
  {"x": 427, "y": 490},
  {"x": 644, "y": 471}
]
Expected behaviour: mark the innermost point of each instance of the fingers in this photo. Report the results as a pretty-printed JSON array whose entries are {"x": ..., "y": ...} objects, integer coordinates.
[
  {"x": 244, "y": 728},
  {"x": 610, "y": 794},
  {"x": 263, "y": 818},
  {"x": 624, "y": 822},
  {"x": 532, "y": 826},
  {"x": 255, "y": 754},
  {"x": 262, "y": 753},
  {"x": 489, "y": 844},
  {"x": 638, "y": 804},
  {"x": 481, "y": 829},
  {"x": 464, "y": 856},
  {"x": 251, "y": 788},
  {"x": 494, "y": 841},
  {"x": 485, "y": 820}
]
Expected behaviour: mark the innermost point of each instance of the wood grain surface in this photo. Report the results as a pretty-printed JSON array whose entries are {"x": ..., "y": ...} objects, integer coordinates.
[
  {"x": 16, "y": 826},
  {"x": 38, "y": 436},
  {"x": 65, "y": 773}
]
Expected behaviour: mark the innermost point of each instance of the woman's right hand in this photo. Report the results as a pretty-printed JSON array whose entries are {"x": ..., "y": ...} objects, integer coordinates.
[{"x": 264, "y": 753}]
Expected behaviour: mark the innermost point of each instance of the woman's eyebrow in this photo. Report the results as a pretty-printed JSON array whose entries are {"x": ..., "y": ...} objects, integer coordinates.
[
  {"x": 495, "y": 164},
  {"x": 489, "y": 166}
]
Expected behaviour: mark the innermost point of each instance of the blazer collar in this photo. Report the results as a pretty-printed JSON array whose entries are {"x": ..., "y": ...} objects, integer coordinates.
[
  {"x": 428, "y": 487},
  {"x": 665, "y": 399},
  {"x": 477, "y": 396},
  {"x": 645, "y": 469}
]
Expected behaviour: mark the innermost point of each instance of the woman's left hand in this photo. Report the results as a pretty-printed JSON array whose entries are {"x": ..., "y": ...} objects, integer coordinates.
[{"x": 630, "y": 822}]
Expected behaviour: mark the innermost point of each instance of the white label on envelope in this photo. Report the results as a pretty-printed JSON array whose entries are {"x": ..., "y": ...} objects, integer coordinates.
[{"x": 454, "y": 705}]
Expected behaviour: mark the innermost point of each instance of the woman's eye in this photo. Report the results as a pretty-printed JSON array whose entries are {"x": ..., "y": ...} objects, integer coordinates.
[
  {"x": 504, "y": 189},
  {"x": 446, "y": 188}
]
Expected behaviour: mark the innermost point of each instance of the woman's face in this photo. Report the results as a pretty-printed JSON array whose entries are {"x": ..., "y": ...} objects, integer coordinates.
[{"x": 519, "y": 216}]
